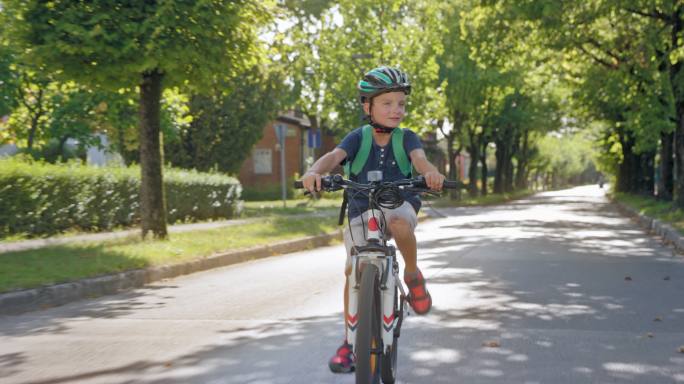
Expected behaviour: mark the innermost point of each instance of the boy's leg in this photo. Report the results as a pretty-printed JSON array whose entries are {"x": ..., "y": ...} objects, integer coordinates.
[
  {"x": 343, "y": 360},
  {"x": 402, "y": 222},
  {"x": 402, "y": 232}
]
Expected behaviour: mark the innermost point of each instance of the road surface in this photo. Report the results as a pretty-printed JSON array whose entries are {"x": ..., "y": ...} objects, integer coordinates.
[{"x": 557, "y": 288}]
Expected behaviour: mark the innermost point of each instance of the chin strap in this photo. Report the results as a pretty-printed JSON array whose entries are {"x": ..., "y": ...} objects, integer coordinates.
[{"x": 381, "y": 128}]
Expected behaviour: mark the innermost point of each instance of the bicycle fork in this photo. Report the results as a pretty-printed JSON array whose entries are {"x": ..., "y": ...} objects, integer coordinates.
[{"x": 390, "y": 320}]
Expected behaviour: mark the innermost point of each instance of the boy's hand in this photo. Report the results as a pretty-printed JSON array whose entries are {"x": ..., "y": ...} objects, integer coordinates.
[
  {"x": 434, "y": 180},
  {"x": 311, "y": 181}
]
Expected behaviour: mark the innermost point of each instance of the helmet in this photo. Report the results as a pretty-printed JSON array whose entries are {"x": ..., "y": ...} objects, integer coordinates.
[{"x": 382, "y": 80}]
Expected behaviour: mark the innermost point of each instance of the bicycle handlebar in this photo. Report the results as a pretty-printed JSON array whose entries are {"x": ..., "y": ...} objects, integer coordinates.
[{"x": 337, "y": 182}]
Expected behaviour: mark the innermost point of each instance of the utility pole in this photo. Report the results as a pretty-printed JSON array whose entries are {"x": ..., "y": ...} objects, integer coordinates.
[{"x": 281, "y": 133}]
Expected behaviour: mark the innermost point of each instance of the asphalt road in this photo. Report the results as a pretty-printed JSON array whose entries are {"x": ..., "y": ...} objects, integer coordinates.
[{"x": 558, "y": 288}]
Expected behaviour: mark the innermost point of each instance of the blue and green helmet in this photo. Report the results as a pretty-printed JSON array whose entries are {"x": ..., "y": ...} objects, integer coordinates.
[{"x": 381, "y": 80}]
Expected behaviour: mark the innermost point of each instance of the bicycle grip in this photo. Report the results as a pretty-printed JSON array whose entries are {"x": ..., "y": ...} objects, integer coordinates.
[
  {"x": 298, "y": 184},
  {"x": 451, "y": 184}
]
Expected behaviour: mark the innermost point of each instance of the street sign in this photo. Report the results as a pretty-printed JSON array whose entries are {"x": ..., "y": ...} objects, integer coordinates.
[
  {"x": 314, "y": 139},
  {"x": 280, "y": 131}
]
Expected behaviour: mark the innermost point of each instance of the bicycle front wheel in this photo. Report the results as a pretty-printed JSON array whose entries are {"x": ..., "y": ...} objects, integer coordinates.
[
  {"x": 368, "y": 339},
  {"x": 388, "y": 363}
]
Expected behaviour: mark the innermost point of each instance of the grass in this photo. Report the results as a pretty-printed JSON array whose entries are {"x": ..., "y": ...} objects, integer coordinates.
[
  {"x": 293, "y": 207},
  {"x": 491, "y": 199},
  {"x": 663, "y": 211},
  {"x": 58, "y": 264}
]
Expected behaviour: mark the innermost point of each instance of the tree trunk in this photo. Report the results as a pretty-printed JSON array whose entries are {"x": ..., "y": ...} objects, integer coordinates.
[
  {"x": 452, "y": 154},
  {"x": 628, "y": 167},
  {"x": 513, "y": 148},
  {"x": 675, "y": 76},
  {"x": 645, "y": 180},
  {"x": 665, "y": 180},
  {"x": 38, "y": 113},
  {"x": 62, "y": 142},
  {"x": 679, "y": 158},
  {"x": 483, "y": 160},
  {"x": 521, "y": 173},
  {"x": 152, "y": 201},
  {"x": 508, "y": 177},
  {"x": 472, "y": 171},
  {"x": 503, "y": 178},
  {"x": 474, "y": 151},
  {"x": 499, "y": 174},
  {"x": 32, "y": 131}
]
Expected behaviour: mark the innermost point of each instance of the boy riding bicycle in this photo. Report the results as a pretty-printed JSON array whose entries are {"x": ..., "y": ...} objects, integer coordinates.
[{"x": 382, "y": 93}]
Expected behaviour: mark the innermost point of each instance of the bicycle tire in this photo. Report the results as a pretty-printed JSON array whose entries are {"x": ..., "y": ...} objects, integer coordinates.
[
  {"x": 368, "y": 339},
  {"x": 388, "y": 362}
]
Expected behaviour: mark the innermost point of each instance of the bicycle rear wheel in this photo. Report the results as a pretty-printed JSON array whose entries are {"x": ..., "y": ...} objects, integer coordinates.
[{"x": 368, "y": 339}]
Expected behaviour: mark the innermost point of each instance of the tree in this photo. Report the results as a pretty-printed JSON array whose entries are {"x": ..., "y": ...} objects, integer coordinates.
[
  {"x": 148, "y": 44},
  {"x": 226, "y": 123},
  {"x": 9, "y": 82},
  {"x": 636, "y": 46},
  {"x": 298, "y": 49},
  {"x": 400, "y": 33},
  {"x": 513, "y": 100},
  {"x": 464, "y": 87}
]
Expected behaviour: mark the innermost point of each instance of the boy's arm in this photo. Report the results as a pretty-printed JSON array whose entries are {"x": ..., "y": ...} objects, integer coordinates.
[
  {"x": 312, "y": 178},
  {"x": 433, "y": 178}
]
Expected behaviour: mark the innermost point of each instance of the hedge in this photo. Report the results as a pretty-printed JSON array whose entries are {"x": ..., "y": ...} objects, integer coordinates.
[{"x": 40, "y": 199}]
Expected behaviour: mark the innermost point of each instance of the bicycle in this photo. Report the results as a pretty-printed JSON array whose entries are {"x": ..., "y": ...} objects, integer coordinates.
[{"x": 377, "y": 297}]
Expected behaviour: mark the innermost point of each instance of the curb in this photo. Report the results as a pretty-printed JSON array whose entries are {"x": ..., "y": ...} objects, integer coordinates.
[
  {"x": 59, "y": 294},
  {"x": 666, "y": 231}
]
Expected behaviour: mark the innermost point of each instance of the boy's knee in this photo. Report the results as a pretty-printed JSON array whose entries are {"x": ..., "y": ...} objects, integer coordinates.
[{"x": 399, "y": 224}]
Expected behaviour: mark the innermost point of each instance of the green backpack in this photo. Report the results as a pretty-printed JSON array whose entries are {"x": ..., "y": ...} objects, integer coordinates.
[{"x": 366, "y": 143}]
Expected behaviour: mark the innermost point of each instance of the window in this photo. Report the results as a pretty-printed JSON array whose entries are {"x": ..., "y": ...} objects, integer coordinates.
[{"x": 263, "y": 161}]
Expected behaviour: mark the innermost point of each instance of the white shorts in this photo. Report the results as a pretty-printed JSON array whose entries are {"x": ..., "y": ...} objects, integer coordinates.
[{"x": 359, "y": 226}]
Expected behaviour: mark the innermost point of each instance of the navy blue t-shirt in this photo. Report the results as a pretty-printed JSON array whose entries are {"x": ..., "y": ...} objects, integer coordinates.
[{"x": 380, "y": 159}]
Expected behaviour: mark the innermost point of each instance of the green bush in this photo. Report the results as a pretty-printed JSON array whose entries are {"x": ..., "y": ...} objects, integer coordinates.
[{"x": 39, "y": 199}]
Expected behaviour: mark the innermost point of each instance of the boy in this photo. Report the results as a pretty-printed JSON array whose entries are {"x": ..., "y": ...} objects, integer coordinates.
[{"x": 382, "y": 92}]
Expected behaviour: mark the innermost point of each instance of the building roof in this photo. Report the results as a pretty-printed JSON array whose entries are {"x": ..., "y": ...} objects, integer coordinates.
[{"x": 294, "y": 117}]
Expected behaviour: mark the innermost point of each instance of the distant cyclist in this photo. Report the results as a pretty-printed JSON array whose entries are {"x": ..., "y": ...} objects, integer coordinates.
[{"x": 381, "y": 145}]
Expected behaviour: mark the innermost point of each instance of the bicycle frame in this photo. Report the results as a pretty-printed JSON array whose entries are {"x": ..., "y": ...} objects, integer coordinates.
[{"x": 383, "y": 256}]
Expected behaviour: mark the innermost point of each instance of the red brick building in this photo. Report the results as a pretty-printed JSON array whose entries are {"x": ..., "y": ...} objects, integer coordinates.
[{"x": 262, "y": 168}]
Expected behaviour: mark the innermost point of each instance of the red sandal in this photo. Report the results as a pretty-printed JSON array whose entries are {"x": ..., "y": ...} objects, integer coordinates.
[
  {"x": 343, "y": 361},
  {"x": 419, "y": 297}
]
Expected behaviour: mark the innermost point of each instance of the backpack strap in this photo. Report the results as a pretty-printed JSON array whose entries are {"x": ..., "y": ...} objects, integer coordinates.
[
  {"x": 400, "y": 153},
  {"x": 362, "y": 155}
]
